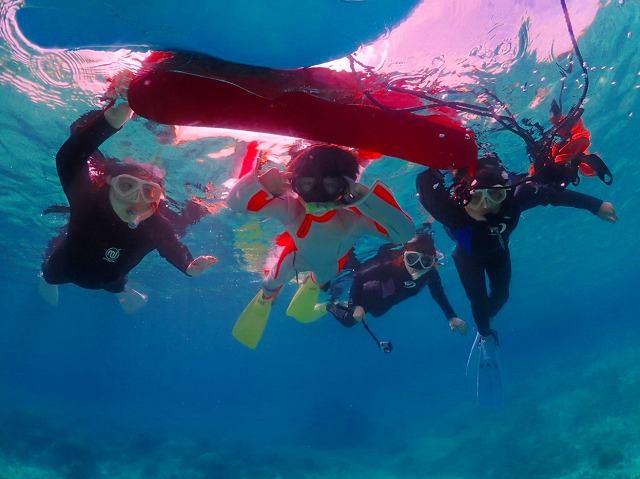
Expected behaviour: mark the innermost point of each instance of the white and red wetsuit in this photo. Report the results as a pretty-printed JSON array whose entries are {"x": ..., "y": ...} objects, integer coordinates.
[{"x": 320, "y": 243}]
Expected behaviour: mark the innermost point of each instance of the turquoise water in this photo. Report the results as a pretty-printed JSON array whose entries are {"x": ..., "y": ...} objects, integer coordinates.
[{"x": 90, "y": 392}]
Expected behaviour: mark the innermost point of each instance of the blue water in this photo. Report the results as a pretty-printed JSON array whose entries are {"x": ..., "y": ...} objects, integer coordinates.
[{"x": 87, "y": 391}]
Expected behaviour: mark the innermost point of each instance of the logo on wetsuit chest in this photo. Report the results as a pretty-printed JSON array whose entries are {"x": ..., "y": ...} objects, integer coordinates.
[
  {"x": 496, "y": 230},
  {"x": 111, "y": 255},
  {"x": 409, "y": 284}
]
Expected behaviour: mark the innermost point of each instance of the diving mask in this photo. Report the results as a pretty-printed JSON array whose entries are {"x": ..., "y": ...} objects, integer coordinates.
[
  {"x": 487, "y": 196},
  {"x": 422, "y": 261},
  {"x": 319, "y": 189},
  {"x": 131, "y": 188}
]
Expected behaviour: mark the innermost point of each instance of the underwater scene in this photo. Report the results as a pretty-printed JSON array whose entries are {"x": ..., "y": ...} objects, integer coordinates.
[{"x": 156, "y": 378}]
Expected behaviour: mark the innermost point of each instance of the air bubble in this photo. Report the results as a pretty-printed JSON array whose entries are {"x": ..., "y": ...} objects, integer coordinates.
[{"x": 441, "y": 135}]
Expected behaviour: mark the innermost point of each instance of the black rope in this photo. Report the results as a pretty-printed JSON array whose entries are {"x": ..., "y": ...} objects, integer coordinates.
[{"x": 538, "y": 149}]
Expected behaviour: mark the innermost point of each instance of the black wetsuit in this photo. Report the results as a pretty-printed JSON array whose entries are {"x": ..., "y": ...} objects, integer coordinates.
[
  {"x": 482, "y": 247},
  {"x": 97, "y": 249},
  {"x": 382, "y": 285}
]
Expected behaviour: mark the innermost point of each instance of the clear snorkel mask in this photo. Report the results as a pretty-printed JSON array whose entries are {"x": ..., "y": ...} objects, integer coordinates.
[
  {"x": 129, "y": 190},
  {"x": 132, "y": 188},
  {"x": 487, "y": 197},
  {"x": 422, "y": 262}
]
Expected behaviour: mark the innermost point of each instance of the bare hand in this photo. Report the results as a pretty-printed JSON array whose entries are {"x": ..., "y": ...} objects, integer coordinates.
[
  {"x": 275, "y": 181},
  {"x": 118, "y": 115},
  {"x": 607, "y": 212},
  {"x": 200, "y": 265},
  {"x": 359, "y": 314},
  {"x": 356, "y": 190},
  {"x": 456, "y": 324},
  {"x": 119, "y": 85}
]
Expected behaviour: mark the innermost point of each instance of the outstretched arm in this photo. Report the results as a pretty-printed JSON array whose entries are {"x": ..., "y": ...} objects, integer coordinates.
[
  {"x": 438, "y": 294},
  {"x": 531, "y": 194},
  {"x": 200, "y": 265}
]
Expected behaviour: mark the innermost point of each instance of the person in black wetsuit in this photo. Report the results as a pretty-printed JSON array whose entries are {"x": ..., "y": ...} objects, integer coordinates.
[
  {"x": 390, "y": 277},
  {"x": 115, "y": 217},
  {"x": 482, "y": 224}
]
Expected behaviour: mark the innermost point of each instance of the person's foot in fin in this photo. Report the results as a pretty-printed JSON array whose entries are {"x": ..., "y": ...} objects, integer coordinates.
[
  {"x": 131, "y": 300},
  {"x": 303, "y": 304},
  {"x": 48, "y": 292},
  {"x": 342, "y": 313},
  {"x": 490, "y": 388},
  {"x": 253, "y": 320}
]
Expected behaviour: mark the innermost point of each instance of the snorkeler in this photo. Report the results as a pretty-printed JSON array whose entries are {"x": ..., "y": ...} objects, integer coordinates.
[
  {"x": 392, "y": 276},
  {"x": 485, "y": 211},
  {"x": 115, "y": 219},
  {"x": 324, "y": 211}
]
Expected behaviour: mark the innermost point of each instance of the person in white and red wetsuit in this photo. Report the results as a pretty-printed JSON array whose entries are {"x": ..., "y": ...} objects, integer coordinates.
[{"x": 324, "y": 212}]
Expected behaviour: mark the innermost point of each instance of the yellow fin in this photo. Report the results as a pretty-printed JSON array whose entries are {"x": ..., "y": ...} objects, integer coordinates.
[
  {"x": 303, "y": 305},
  {"x": 252, "y": 321}
]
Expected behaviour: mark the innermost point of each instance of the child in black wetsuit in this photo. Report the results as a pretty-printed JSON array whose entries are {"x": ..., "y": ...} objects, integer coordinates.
[
  {"x": 115, "y": 223},
  {"x": 392, "y": 276}
]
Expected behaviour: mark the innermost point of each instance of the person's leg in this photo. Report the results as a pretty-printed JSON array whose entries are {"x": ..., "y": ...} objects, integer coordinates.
[
  {"x": 305, "y": 305},
  {"x": 344, "y": 314},
  {"x": 499, "y": 274},
  {"x": 48, "y": 291},
  {"x": 282, "y": 272},
  {"x": 472, "y": 277},
  {"x": 51, "y": 275},
  {"x": 129, "y": 299}
]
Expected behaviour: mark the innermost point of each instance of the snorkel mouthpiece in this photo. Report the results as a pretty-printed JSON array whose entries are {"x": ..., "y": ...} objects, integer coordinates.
[
  {"x": 320, "y": 208},
  {"x": 135, "y": 221}
]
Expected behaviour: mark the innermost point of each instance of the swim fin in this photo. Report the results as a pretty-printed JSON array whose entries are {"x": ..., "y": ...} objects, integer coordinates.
[
  {"x": 490, "y": 389},
  {"x": 252, "y": 321},
  {"x": 131, "y": 300},
  {"x": 303, "y": 305}
]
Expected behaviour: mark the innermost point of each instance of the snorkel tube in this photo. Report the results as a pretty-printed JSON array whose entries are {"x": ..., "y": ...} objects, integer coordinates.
[{"x": 136, "y": 218}]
